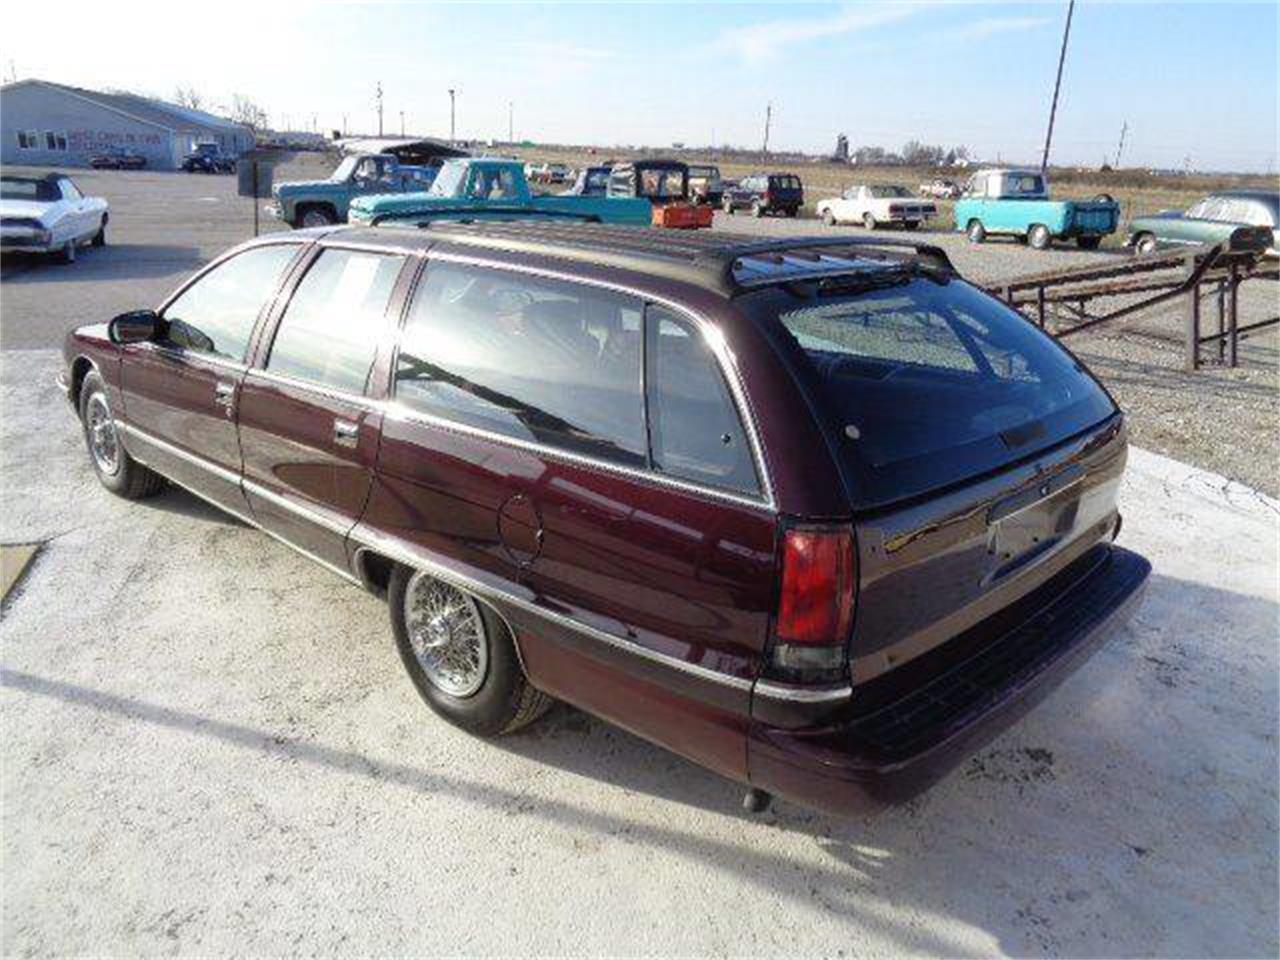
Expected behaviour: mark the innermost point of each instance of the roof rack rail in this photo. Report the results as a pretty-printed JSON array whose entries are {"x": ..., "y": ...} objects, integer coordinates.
[{"x": 725, "y": 263}]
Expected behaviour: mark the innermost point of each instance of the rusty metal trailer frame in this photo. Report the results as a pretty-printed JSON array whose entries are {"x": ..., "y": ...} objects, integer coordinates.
[{"x": 1153, "y": 280}]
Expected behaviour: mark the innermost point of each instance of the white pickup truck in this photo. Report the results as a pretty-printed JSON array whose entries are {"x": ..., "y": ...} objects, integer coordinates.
[{"x": 876, "y": 204}]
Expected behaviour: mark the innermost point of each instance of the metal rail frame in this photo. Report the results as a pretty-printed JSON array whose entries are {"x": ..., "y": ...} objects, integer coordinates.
[{"x": 1155, "y": 279}]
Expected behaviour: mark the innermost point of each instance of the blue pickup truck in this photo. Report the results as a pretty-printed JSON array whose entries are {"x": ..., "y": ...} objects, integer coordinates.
[
  {"x": 1016, "y": 203},
  {"x": 316, "y": 203},
  {"x": 493, "y": 188}
]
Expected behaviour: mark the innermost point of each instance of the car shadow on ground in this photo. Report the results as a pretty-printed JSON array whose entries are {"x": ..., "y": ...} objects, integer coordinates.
[
  {"x": 935, "y": 855},
  {"x": 122, "y": 261}
]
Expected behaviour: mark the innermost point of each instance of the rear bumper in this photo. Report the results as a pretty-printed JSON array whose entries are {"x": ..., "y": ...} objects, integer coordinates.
[{"x": 864, "y": 762}]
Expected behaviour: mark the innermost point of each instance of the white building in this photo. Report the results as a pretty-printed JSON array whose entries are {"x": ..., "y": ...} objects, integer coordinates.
[{"x": 50, "y": 124}]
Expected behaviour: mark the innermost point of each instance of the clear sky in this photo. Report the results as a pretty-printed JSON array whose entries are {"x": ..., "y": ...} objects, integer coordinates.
[{"x": 1194, "y": 80}]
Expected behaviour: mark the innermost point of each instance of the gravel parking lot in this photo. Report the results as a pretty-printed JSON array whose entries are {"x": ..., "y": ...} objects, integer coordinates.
[
  {"x": 163, "y": 226},
  {"x": 209, "y": 745}
]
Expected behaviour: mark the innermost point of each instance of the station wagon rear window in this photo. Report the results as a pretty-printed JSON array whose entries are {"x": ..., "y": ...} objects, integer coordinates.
[{"x": 924, "y": 383}]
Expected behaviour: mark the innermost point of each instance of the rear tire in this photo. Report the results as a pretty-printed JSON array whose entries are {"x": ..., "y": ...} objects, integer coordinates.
[
  {"x": 828, "y": 217},
  {"x": 489, "y": 694},
  {"x": 757, "y": 209},
  {"x": 976, "y": 232},
  {"x": 1039, "y": 237},
  {"x": 116, "y": 470},
  {"x": 911, "y": 225},
  {"x": 1145, "y": 245},
  {"x": 727, "y": 206}
]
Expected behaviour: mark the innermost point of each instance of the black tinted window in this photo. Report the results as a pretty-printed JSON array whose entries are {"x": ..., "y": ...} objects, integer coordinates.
[
  {"x": 216, "y": 314},
  {"x": 330, "y": 331},
  {"x": 694, "y": 428},
  {"x": 534, "y": 359}
]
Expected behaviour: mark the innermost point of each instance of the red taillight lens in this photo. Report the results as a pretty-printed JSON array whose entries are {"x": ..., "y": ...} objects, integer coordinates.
[{"x": 818, "y": 578}]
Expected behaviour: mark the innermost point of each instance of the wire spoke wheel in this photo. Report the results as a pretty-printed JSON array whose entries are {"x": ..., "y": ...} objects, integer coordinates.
[
  {"x": 100, "y": 427},
  {"x": 447, "y": 634}
]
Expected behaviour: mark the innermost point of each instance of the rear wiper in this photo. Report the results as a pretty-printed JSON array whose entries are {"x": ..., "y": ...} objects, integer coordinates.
[{"x": 866, "y": 280}]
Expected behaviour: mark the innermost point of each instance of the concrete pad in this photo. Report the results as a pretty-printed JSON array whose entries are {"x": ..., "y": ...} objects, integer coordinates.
[
  {"x": 14, "y": 558},
  {"x": 209, "y": 746}
]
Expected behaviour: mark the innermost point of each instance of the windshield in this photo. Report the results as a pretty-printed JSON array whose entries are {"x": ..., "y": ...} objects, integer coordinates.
[
  {"x": 596, "y": 180},
  {"x": 14, "y": 188},
  {"x": 886, "y": 192},
  {"x": 345, "y": 169},
  {"x": 449, "y": 180},
  {"x": 705, "y": 173},
  {"x": 926, "y": 383},
  {"x": 662, "y": 183}
]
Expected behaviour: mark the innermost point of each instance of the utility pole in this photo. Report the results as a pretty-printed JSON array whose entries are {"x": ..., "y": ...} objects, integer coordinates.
[
  {"x": 402, "y": 123},
  {"x": 344, "y": 124},
  {"x": 452, "y": 116},
  {"x": 511, "y": 122},
  {"x": 379, "y": 98},
  {"x": 1057, "y": 85},
  {"x": 1120, "y": 149},
  {"x": 768, "y": 116}
]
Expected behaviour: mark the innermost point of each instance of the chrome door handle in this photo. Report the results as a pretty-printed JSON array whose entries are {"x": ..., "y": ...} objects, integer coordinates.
[
  {"x": 345, "y": 433},
  {"x": 224, "y": 394}
]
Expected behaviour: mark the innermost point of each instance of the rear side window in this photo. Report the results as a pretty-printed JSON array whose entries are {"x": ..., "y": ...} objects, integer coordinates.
[
  {"x": 540, "y": 360},
  {"x": 217, "y": 313},
  {"x": 925, "y": 383},
  {"x": 694, "y": 429},
  {"x": 331, "y": 328}
]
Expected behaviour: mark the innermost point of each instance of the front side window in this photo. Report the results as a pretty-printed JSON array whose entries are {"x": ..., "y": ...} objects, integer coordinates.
[
  {"x": 534, "y": 359},
  {"x": 216, "y": 314},
  {"x": 330, "y": 331},
  {"x": 694, "y": 429},
  {"x": 69, "y": 190}
]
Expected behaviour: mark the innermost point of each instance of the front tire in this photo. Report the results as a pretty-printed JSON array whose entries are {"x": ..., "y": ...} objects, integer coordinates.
[
  {"x": 828, "y": 218},
  {"x": 460, "y": 656},
  {"x": 1145, "y": 245},
  {"x": 100, "y": 238},
  {"x": 757, "y": 209},
  {"x": 116, "y": 470},
  {"x": 976, "y": 232},
  {"x": 727, "y": 206},
  {"x": 1038, "y": 237},
  {"x": 315, "y": 217},
  {"x": 911, "y": 225},
  {"x": 869, "y": 220}
]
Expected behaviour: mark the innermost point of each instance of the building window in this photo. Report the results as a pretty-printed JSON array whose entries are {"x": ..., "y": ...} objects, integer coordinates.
[
  {"x": 28, "y": 140},
  {"x": 55, "y": 141}
]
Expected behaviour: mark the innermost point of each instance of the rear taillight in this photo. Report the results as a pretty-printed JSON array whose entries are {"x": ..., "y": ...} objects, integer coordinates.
[
  {"x": 768, "y": 197},
  {"x": 894, "y": 210},
  {"x": 815, "y": 604}
]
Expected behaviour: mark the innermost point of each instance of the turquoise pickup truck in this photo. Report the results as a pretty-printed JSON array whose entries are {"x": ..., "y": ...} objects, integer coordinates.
[
  {"x": 1016, "y": 203},
  {"x": 485, "y": 188}
]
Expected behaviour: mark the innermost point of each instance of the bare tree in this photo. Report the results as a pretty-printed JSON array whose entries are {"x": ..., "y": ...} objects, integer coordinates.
[
  {"x": 244, "y": 110},
  {"x": 188, "y": 97}
]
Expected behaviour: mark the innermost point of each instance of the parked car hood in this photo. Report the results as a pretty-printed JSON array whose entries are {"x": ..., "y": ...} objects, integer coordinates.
[{"x": 25, "y": 208}]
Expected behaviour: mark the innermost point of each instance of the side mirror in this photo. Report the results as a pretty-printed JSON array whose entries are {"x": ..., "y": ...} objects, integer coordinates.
[{"x": 136, "y": 326}]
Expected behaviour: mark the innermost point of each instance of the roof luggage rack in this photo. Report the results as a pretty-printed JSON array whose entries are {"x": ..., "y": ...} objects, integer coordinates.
[{"x": 725, "y": 263}]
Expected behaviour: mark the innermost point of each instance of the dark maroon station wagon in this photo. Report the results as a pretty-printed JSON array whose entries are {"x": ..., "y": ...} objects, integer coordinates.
[{"x": 817, "y": 514}]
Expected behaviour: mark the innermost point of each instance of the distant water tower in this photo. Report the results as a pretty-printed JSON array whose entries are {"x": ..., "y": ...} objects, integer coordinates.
[{"x": 842, "y": 148}]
